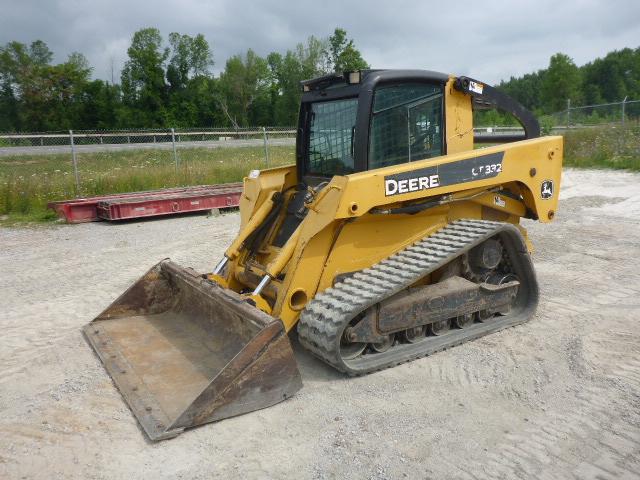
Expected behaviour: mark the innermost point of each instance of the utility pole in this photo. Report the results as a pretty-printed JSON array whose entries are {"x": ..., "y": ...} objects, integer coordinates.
[
  {"x": 568, "y": 112},
  {"x": 623, "y": 105}
]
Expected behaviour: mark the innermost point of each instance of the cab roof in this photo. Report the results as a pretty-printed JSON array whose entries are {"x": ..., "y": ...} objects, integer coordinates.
[{"x": 335, "y": 79}]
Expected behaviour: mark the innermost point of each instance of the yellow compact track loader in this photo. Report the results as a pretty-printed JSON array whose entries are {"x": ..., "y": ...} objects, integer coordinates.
[{"x": 391, "y": 238}]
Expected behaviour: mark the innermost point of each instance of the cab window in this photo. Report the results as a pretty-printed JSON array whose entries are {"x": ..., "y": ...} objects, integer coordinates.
[
  {"x": 406, "y": 124},
  {"x": 331, "y": 137}
]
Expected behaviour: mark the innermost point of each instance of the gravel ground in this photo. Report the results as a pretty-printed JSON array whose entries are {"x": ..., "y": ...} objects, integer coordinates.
[{"x": 558, "y": 397}]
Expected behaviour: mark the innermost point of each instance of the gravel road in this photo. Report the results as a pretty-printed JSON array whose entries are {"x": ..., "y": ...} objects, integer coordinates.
[{"x": 558, "y": 397}]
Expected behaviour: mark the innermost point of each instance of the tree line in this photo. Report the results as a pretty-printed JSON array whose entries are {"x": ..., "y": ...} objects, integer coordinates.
[
  {"x": 562, "y": 84},
  {"x": 604, "y": 80},
  {"x": 170, "y": 84},
  {"x": 164, "y": 84}
]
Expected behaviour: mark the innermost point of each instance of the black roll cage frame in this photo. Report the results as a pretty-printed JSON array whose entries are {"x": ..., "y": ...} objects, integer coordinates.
[{"x": 327, "y": 88}]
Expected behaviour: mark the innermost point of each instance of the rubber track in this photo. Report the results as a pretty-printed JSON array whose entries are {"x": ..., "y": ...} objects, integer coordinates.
[{"x": 329, "y": 313}]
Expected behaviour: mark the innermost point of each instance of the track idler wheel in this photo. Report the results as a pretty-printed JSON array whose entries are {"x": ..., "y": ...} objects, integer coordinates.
[
  {"x": 440, "y": 328},
  {"x": 415, "y": 334},
  {"x": 484, "y": 315},
  {"x": 463, "y": 321},
  {"x": 384, "y": 345},
  {"x": 348, "y": 349}
]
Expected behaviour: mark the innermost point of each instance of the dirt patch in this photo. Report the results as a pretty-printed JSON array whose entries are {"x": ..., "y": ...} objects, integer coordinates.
[{"x": 558, "y": 397}]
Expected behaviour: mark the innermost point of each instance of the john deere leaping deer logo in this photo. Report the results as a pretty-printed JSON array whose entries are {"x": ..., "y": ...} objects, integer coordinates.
[{"x": 546, "y": 189}]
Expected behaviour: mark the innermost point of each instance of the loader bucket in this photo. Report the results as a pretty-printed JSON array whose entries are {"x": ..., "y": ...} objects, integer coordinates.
[{"x": 184, "y": 351}]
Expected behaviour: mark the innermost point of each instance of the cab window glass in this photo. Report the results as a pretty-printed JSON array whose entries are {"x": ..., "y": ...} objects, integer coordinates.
[
  {"x": 406, "y": 124},
  {"x": 331, "y": 136}
]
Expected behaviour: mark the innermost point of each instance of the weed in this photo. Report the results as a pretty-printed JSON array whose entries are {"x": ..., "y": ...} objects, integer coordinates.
[
  {"x": 29, "y": 182},
  {"x": 615, "y": 146}
]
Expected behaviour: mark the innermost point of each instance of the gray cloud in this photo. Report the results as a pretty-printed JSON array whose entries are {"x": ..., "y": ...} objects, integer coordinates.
[{"x": 490, "y": 40}]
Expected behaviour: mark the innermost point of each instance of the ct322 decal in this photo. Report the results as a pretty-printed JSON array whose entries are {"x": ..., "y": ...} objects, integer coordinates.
[{"x": 469, "y": 170}]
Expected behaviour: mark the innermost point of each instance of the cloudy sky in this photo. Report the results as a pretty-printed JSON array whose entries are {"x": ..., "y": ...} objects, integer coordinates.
[{"x": 490, "y": 40}]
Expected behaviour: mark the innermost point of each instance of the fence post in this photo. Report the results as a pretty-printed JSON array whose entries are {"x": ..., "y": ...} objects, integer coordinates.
[
  {"x": 266, "y": 146},
  {"x": 175, "y": 153},
  {"x": 75, "y": 162},
  {"x": 623, "y": 104},
  {"x": 568, "y": 112}
]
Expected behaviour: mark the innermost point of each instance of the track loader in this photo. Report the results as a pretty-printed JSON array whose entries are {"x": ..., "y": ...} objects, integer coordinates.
[{"x": 392, "y": 237}]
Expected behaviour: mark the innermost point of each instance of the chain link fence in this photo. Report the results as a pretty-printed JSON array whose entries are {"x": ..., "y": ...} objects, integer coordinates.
[
  {"x": 605, "y": 135},
  {"x": 146, "y": 137},
  {"x": 36, "y": 168},
  {"x": 597, "y": 114}
]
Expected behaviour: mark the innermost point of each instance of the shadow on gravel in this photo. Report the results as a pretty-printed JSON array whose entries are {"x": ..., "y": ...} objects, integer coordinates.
[
  {"x": 312, "y": 368},
  {"x": 202, "y": 213}
]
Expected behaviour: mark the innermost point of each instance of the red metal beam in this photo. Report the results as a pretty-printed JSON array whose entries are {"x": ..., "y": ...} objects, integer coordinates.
[
  {"x": 81, "y": 210},
  {"x": 169, "y": 204}
]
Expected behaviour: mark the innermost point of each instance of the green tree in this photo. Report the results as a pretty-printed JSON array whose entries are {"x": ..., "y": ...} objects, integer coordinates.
[
  {"x": 561, "y": 81},
  {"x": 190, "y": 83},
  {"x": 179, "y": 63},
  {"x": 163, "y": 85},
  {"x": 190, "y": 57},
  {"x": 201, "y": 56},
  {"x": 525, "y": 89},
  {"x": 9, "y": 109},
  {"x": 613, "y": 77},
  {"x": 64, "y": 92},
  {"x": 343, "y": 55},
  {"x": 39, "y": 53},
  {"x": 243, "y": 87},
  {"x": 101, "y": 106},
  {"x": 314, "y": 57},
  {"x": 35, "y": 95},
  {"x": 286, "y": 72},
  {"x": 11, "y": 56},
  {"x": 143, "y": 86},
  {"x": 21, "y": 67}
]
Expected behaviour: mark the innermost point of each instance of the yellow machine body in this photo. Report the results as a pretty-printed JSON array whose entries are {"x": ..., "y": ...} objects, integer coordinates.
[
  {"x": 340, "y": 234},
  {"x": 219, "y": 339}
]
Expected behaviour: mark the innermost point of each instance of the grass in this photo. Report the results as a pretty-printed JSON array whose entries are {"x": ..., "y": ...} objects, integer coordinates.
[
  {"x": 616, "y": 147},
  {"x": 29, "y": 182}
]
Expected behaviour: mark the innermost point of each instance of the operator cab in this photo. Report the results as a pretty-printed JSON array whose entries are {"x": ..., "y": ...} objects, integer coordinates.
[{"x": 369, "y": 119}]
